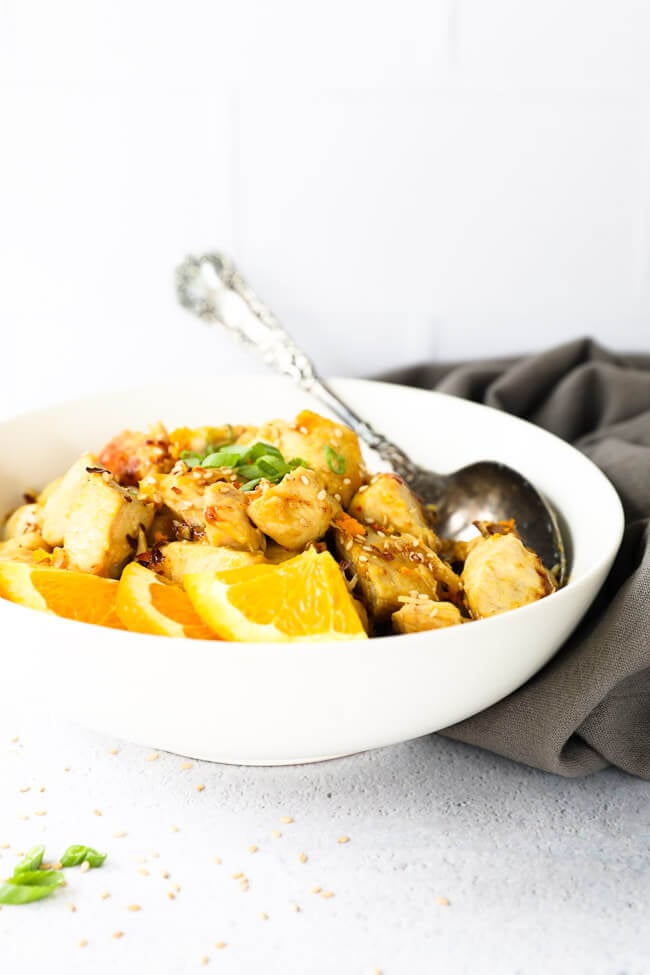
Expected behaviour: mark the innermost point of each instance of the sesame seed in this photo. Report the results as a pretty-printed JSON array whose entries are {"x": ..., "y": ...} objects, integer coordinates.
[
  {"x": 25, "y": 788},
  {"x": 322, "y": 494},
  {"x": 442, "y": 901},
  {"x": 294, "y": 908},
  {"x": 155, "y": 855},
  {"x": 363, "y": 558},
  {"x": 346, "y": 480},
  {"x": 113, "y": 751},
  {"x": 220, "y": 944},
  {"x": 85, "y": 867},
  {"x": 286, "y": 819},
  {"x": 186, "y": 765},
  {"x": 165, "y": 875},
  {"x": 204, "y": 960},
  {"x": 97, "y": 812},
  {"x": 303, "y": 858},
  {"x": 327, "y": 894},
  {"x": 66, "y": 768},
  {"x": 134, "y": 908},
  {"x": 303, "y": 430},
  {"x": 142, "y": 871},
  {"x": 200, "y": 787},
  {"x": 82, "y": 943},
  {"x": 171, "y": 895},
  {"x": 72, "y": 908},
  {"x": 217, "y": 860},
  {"x": 337, "y": 497},
  {"x": 252, "y": 848},
  {"x": 264, "y": 916},
  {"x": 14, "y": 739},
  {"x": 276, "y": 834},
  {"x": 236, "y": 876},
  {"x": 316, "y": 890},
  {"x": 4, "y": 846},
  {"x": 120, "y": 834},
  {"x": 118, "y": 934},
  {"x": 304, "y": 479},
  {"x": 343, "y": 839},
  {"x": 176, "y": 829},
  {"x": 41, "y": 812},
  {"x": 177, "y": 888},
  {"x": 153, "y": 757},
  {"x": 105, "y": 895}
]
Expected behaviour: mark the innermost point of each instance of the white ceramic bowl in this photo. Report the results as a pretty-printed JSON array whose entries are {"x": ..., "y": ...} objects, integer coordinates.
[{"x": 275, "y": 703}]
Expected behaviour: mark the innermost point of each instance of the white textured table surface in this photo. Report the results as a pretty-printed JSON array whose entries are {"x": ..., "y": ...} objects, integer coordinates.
[{"x": 541, "y": 874}]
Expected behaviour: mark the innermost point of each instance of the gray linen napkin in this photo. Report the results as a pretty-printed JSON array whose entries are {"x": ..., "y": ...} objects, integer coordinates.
[{"x": 590, "y": 706}]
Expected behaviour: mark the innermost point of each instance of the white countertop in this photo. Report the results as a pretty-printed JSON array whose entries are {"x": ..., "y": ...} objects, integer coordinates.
[{"x": 541, "y": 874}]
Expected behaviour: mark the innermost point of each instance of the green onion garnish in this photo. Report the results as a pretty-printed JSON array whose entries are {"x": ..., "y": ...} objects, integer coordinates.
[
  {"x": 336, "y": 462},
  {"x": 31, "y": 883},
  {"x": 74, "y": 856},
  {"x": 252, "y": 462}
]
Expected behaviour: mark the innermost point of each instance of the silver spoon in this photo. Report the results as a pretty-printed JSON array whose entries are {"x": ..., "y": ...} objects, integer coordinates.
[{"x": 212, "y": 288}]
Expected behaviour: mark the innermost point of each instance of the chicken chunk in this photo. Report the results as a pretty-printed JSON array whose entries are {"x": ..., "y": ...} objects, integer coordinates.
[
  {"x": 28, "y": 547},
  {"x": 388, "y": 567},
  {"x": 103, "y": 524},
  {"x": 61, "y": 496},
  {"x": 425, "y": 614},
  {"x": 296, "y": 511},
  {"x": 327, "y": 447},
  {"x": 131, "y": 455},
  {"x": 213, "y": 510},
  {"x": 25, "y": 520},
  {"x": 181, "y": 558},
  {"x": 387, "y": 503},
  {"x": 500, "y": 573}
]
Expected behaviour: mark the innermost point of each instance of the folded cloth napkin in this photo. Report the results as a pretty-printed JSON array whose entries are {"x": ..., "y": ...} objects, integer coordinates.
[{"x": 590, "y": 706}]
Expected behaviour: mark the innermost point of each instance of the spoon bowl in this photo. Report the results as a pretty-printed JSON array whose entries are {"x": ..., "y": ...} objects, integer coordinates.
[{"x": 212, "y": 288}]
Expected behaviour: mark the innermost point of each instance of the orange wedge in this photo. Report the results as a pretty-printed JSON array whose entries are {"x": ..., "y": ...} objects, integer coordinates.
[
  {"x": 74, "y": 595},
  {"x": 147, "y": 604},
  {"x": 302, "y": 599}
]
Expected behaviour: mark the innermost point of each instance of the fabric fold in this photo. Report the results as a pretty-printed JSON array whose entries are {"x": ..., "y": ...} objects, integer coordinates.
[{"x": 590, "y": 706}]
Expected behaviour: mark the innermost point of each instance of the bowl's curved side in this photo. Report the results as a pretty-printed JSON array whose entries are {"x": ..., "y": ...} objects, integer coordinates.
[{"x": 292, "y": 703}]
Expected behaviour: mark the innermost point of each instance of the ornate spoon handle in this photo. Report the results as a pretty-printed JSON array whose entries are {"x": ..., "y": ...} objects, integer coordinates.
[{"x": 212, "y": 288}]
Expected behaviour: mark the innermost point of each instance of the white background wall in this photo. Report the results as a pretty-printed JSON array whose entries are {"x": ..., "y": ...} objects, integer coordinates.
[{"x": 399, "y": 180}]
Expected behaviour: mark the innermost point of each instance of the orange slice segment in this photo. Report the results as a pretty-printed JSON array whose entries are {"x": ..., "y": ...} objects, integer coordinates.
[
  {"x": 302, "y": 599},
  {"x": 74, "y": 595},
  {"x": 147, "y": 604}
]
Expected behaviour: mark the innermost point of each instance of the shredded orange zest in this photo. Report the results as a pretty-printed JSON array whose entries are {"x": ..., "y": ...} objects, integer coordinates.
[{"x": 350, "y": 525}]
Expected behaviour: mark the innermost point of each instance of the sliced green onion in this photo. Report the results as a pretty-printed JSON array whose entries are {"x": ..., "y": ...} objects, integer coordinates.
[
  {"x": 19, "y": 892},
  {"x": 335, "y": 461},
  {"x": 75, "y": 855},
  {"x": 32, "y": 860},
  {"x": 249, "y": 485}
]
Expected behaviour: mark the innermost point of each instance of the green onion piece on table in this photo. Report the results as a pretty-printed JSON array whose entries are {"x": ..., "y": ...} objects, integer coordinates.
[{"x": 76, "y": 855}]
